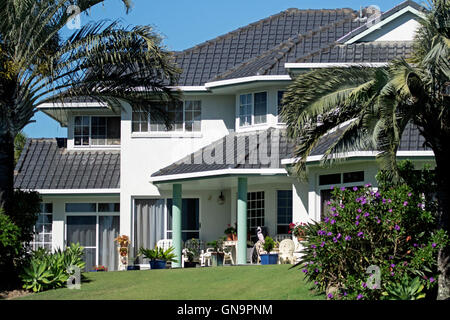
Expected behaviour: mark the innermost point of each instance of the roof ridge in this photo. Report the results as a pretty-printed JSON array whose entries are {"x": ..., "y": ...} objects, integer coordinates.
[
  {"x": 248, "y": 26},
  {"x": 288, "y": 43},
  {"x": 308, "y": 35}
]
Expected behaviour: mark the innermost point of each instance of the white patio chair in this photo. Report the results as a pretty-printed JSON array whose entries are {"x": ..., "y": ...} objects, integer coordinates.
[
  {"x": 164, "y": 244},
  {"x": 189, "y": 244},
  {"x": 205, "y": 257},
  {"x": 286, "y": 252},
  {"x": 228, "y": 256}
]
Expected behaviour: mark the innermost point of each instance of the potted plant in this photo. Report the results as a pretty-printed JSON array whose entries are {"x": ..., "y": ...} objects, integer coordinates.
[
  {"x": 269, "y": 258},
  {"x": 192, "y": 252},
  {"x": 298, "y": 230},
  {"x": 217, "y": 254},
  {"x": 231, "y": 233},
  {"x": 99, "y": 269},
  {"x": 158, "y": 257},
  {"x": 123, "y": 242}
]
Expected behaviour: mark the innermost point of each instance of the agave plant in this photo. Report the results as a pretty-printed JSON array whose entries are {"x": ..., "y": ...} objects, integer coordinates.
[
  {"x": 406, "y": 290},
  {"x": 37, "y": 276},
  {"x": 103, "y": 61}
]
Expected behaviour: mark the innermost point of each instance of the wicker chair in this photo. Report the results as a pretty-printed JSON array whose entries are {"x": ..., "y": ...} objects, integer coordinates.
[{"x": 286, "y": 252}]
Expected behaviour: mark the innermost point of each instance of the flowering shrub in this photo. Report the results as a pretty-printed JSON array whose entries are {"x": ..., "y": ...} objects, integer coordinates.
[{"x": 390, "y": 229}]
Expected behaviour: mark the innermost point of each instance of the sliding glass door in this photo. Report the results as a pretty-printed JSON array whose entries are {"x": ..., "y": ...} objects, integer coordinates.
[{"x": 83, "y": 230}]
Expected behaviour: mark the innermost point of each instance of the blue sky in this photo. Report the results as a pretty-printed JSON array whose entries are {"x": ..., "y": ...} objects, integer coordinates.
[{"x": 184, "y": 24}]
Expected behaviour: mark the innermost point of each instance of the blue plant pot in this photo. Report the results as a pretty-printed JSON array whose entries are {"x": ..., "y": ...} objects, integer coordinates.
[
  {"x": 157, "y": 264},
  {"x": 271, "y": 258},
  {"x": 133, "y": 268}
]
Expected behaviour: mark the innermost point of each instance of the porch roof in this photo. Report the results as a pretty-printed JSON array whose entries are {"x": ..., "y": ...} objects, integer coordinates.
[{"x": 194, "y": 166}]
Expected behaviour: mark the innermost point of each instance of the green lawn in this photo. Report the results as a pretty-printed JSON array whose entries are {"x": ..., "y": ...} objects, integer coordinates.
[{"x": 273, "y": 282}]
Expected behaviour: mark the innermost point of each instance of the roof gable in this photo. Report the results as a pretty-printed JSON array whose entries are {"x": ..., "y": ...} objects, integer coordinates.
[{"x": 397, "y": 24}]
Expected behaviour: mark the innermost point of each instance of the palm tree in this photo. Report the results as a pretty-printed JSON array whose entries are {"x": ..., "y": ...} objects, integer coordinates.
[
  {"x": 373, "y": 106},
  {"x": 103, "y": 61}
]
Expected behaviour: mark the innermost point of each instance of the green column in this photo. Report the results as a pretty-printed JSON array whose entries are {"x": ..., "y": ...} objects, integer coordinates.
[
  {"x": 176, "y": 223},
  {"x": 242, "y": 221}
]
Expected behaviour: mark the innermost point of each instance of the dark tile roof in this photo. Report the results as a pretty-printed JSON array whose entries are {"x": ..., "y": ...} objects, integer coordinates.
[
  {"x": 411, "y": 141},
  {"x": 361, "y": 52},
  {"x": 384, "y": 15},
  {"x": 47, "y": 164},
  {"x": 205, "y": 61},
  {"x": 241, "y": 150}
]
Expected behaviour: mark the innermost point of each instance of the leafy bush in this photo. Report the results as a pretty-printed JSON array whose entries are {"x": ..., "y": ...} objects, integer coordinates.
[
  {"x": 269, "y": 244},
  {"x": 158, "y": 254},
  {"x": 389, "y": 228},
  {"x": 51, "y": 270},
  {"x": 406, "y": 290}
]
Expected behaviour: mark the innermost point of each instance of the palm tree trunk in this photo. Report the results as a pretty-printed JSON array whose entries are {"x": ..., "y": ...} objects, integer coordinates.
[
  {"x": 443, "y": 195},
  {"x": 6, "y": 169}
]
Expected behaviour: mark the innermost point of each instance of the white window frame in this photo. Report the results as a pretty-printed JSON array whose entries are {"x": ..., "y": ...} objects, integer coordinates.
[
  {"x": 278, "y": 108},
  {"x": 35, "y": 243},
  {"x": 252, "y": 112},
  {"x": 169, "y": 132},
  {"x": 292, "y": 207},
  {"x": 264, "y": 209},
  {"x": 90, "y": 133}
]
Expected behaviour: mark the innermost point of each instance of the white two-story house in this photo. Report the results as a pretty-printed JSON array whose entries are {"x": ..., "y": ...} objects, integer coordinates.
[{"x": 226, "y": 158}]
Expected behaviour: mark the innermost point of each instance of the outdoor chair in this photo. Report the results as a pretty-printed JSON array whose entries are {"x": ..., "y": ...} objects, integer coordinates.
[
  {"x": 189, "y": 244},
  {"x": 286, "y": 252},
  {"x": 228, "y": 256}
]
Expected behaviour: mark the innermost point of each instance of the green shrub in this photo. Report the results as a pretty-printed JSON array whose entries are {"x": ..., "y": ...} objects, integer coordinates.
[
  {"x": 50, "y": 270},
  {"x": 389, "y": 228},
  {"x": 269, "y": 244},
  {"x": 158, "y": 254},
  {"x": 407, "y": 289}
]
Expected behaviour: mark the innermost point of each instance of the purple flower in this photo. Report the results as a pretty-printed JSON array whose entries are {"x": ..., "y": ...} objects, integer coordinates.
[
  {"x": 316, "y": 283},
  {"x": 334, "y": 239},
  {"x": 366, "y": 214},
  {"x": 421, "y": 205},
  {"x": 364, "y": 285},
  {"x": 338, "y": 236},
  {"x": 391, "y": 257},
  {"x": 347, "y": 238},
  {"x": 345, "y": 294},
  {"x": 341, "y": 205},
  {"x": 405, "y": 203},
  {"x": 322, "y": 244},
  {"x": 328, "y": 203},
  {"x": 361, "y": 234},
  {"x": 357, "y": 217},
  {"x": 377, "y": 194},
  {"x": 378, "y": 221},
  {"x": 384, "y": 200},
  {"x": 392, "y": 265},
  {"x": 330, "y": 296},
  {"x": 313, "y": 246},
  {"x": 392, "y": 274},
  {"x": 332, "y": 221},
  {"x": 368, "y": 185},
  {"x": 360, "y": 296},
  {"x": 409, "y": 194},
  {"x": 356, "y": 223},
  {"x": 332, "y": 187},
  {"x": 415, "y": 245},
  {"x": 342, "y": 188},
  {"x": 316, "y": 270},
  {"x": 305, "y": 270},
  {"x": 431, "y": 279},
  {"x": 326, "y": 220},
  {"x": 355, "y": 188},
  {"x": 390, "y": 210},
  {"x": 433, "y": 245},
  {"x": 359, "y": 210},
  {"x": 397, "y": 227},
  {"x": 329, "y": 234},
  {"x": 333, "y": 208}
]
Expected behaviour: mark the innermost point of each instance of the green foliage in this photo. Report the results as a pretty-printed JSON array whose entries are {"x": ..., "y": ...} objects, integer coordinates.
[
  {"x": 217, "y": 245},
  {"x": 269, "y": 244},
  {"x": 158, "y": 254},
  {"x": 387, "y": 228},
  {"x": 50, "y": 270},
  {"x": 9, "y": 234},
  {"x": 19, "y": 143},
  {"x": 407, "y": 289}
]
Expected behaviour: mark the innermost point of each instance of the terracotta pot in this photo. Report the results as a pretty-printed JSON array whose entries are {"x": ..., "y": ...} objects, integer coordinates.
[
  {"x": 299, "y": 238},
  {"x": 229, "y": 237},
  {"x": 234, "y": 237}
]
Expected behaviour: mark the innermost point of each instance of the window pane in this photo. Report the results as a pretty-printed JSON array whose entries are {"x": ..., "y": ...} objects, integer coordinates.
[
  {"x": 245, "y": 109},
  {"x": 284, "y": 207},
  {"x": 255, "y": 212},
  {"x": 189, "y": 214},
  {"x": 82, "y": 230},
  {"x": 113, "y": 130},
  {"x": 80, "y": 207},
  {"x": 330, "y": 179},
  {"x": 353, "y": 176},
  {"x": 109, "y": 207}
]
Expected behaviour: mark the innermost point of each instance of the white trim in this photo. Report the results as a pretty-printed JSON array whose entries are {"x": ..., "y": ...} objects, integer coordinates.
[
  {"x": 76, "y": 191},
  {"x": 334, "y": 64},
  {"x": 247, "y": 79},
  {"x": 213, "y": 173},
  {"x": 72, "y": 105},
  {"x": 361, "y": 154},
  {"x": 385, "y": 21},
  {"x": 190, "y": 88}
]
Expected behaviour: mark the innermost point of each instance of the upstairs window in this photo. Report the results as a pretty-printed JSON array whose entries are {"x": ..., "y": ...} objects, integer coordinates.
[
  {"x": 184, "y": 117},
  {"x": 252, "y": 108},
  {"x": 96, "y": 131}
]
